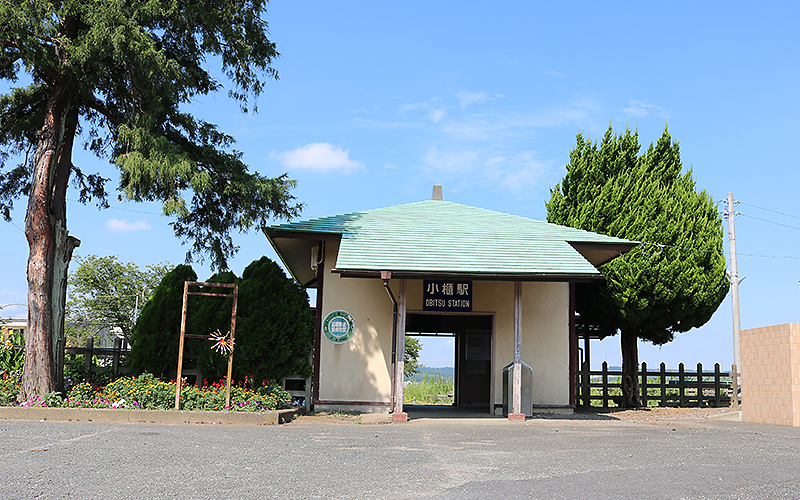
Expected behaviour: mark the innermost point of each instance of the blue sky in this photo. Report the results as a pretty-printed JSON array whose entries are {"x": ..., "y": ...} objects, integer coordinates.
[{"x": 379, "y": 101}]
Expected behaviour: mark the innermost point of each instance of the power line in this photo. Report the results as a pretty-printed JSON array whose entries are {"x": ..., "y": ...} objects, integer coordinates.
[
  {"x": 769, "y": 221},
  {"x": 123, "y": 209},
  {"x": 662, "y": 246},
  {"x": 770, "y": 210},
  {"x": 768, "y": 256},
  {"x": 16, "y": 226},
  {"x": 110, "y": 206}
]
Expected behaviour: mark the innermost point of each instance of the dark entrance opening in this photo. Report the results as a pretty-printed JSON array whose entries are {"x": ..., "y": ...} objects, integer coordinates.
[{"x": 473, "y": 352}]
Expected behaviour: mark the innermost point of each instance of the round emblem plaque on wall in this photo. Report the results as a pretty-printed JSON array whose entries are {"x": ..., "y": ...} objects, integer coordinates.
[{"x": 338, "y": 326}]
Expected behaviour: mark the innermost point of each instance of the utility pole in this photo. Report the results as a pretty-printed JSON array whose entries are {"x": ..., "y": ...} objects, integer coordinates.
[{"x": 734, "y": 277}]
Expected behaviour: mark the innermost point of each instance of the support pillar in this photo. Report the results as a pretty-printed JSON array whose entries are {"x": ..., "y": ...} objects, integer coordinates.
[
  {"x": 318, "y": 324},
  {"x": 399, "y": 415},
  {"x": 574, "y": 361},
  {"x": 516, "y": 414}
]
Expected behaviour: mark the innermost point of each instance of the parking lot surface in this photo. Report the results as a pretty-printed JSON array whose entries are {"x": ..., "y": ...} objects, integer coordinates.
[{"x": 434, "y": 455}]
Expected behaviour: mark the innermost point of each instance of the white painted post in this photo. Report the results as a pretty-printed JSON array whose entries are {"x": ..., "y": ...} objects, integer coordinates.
[
  {"x": 399, "y": 414},
  {"x": 516, "y": 407}
]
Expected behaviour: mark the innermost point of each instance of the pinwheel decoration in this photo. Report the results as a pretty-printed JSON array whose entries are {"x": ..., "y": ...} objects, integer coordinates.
[{"x": 223, "y": 342}]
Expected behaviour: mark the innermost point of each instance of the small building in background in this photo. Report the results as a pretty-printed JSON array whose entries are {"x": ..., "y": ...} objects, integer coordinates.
[{"x": 13, "y": 326}]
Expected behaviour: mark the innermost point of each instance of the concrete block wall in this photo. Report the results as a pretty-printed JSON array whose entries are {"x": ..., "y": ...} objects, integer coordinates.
[{"x": 770, "y": 358}]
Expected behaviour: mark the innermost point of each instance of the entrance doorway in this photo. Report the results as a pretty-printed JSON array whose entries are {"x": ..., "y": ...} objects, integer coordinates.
[{"x": 473, "y": 352}]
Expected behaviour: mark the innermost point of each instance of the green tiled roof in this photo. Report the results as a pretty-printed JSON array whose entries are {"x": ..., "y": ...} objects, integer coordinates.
[{"x": 437, "y": 236}]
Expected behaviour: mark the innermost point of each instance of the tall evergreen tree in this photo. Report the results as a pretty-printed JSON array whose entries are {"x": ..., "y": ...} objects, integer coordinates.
[
  {"x": 676, "y": 278},
  {"x": 117, "y": 73},
  {"x": 156, "y": 335}
]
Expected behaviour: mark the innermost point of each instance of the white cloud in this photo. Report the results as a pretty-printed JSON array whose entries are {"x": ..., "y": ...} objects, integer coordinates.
[
  {"x": 436, "y": 115},
  {"x": 414, "y": 106},
  {"x": 435, "y": 111},
  {"x": 499, "y": 126},
  {"x": 638, "y": 108},
  {"x": 557, "y": 74},
  {"x": 466, "y": 98},
  {"x": 384, "y": 124},
  {"x": 513, "y": 172},
  {"x": 318, "y": 156},
  {"x": 450, "y": 161},
  {"x": 518, "y": 172},
  {"x": 128, "y": 227}
]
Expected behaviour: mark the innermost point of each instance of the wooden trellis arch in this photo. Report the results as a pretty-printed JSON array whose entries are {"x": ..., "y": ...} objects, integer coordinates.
[{"x": 186, "y": 293}]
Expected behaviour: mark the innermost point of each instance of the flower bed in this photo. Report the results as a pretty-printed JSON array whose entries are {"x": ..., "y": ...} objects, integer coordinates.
[{"x": 149, "y": 393}]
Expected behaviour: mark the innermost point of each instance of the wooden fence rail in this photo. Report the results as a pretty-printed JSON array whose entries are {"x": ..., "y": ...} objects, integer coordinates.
[
  {"x": 116, "y": 353},
  {"x": 89, "y": 351},
  {"x": 660, "y": 387}
]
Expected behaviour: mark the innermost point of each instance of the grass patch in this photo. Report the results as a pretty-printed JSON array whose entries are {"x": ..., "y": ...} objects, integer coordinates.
[{"x": 431, "y": 390}]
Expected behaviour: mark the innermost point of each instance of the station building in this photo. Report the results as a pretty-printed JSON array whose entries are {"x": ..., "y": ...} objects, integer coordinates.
[{"x": 501, "y": 285}]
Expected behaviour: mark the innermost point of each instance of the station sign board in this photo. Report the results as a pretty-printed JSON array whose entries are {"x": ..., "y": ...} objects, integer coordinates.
[{"x": 447, "y": 295}]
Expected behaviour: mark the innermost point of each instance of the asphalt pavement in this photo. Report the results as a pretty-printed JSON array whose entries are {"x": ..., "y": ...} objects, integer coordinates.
[{"x": 433, "y": 457}]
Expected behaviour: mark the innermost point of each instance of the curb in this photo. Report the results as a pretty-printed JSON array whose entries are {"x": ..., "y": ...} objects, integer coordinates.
[
  {"x": 734, "y": 416},
  {"x": 111, "y": 415}
]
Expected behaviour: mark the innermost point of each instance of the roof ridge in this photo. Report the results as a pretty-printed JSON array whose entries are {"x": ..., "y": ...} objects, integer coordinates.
[
  {"x": 336, "y": 220},
  {"x": 415, "y": 203}
]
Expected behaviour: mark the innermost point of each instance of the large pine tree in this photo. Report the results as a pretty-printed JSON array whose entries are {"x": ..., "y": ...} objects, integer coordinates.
[
  {"x": 115, "y": 74},
  {"x": 675, "y": 279}
]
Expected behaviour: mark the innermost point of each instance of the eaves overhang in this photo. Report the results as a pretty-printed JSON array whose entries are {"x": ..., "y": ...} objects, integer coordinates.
[
  {"x": 549, "y": 277},
  {"x": 600, "y": 253},
  {"x": 294, "y": 249}
]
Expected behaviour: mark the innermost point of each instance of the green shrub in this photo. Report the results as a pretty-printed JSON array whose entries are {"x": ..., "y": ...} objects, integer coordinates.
[
  {"x": 274, "y": 326},
  {"x": 212, "y": 314},
  {"x": 156, "y": 335}
]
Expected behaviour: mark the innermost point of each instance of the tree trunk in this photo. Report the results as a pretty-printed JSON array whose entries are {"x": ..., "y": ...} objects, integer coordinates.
[
  {"x": 630, "y": 368},
  {"x": 50, "y": 250}
]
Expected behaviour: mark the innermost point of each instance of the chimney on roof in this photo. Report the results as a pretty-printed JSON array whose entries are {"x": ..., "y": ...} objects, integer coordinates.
[{"x": 437, "y": 193}]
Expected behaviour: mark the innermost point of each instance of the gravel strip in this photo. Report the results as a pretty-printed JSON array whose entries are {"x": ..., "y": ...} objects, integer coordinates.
[{"x": 651, "y": 414}]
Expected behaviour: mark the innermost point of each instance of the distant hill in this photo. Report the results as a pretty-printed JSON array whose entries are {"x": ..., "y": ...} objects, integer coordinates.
[{"x": 447, "y": 372}]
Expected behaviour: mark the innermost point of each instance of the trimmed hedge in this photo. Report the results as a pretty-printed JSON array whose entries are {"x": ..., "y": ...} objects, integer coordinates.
[{"x": 274, "y": 326}]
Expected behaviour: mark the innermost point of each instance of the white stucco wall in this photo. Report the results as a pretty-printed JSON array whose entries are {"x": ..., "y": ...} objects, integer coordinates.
[
  {"x": 545, "y": 336},
  {"x": 358, "y": 371}
]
